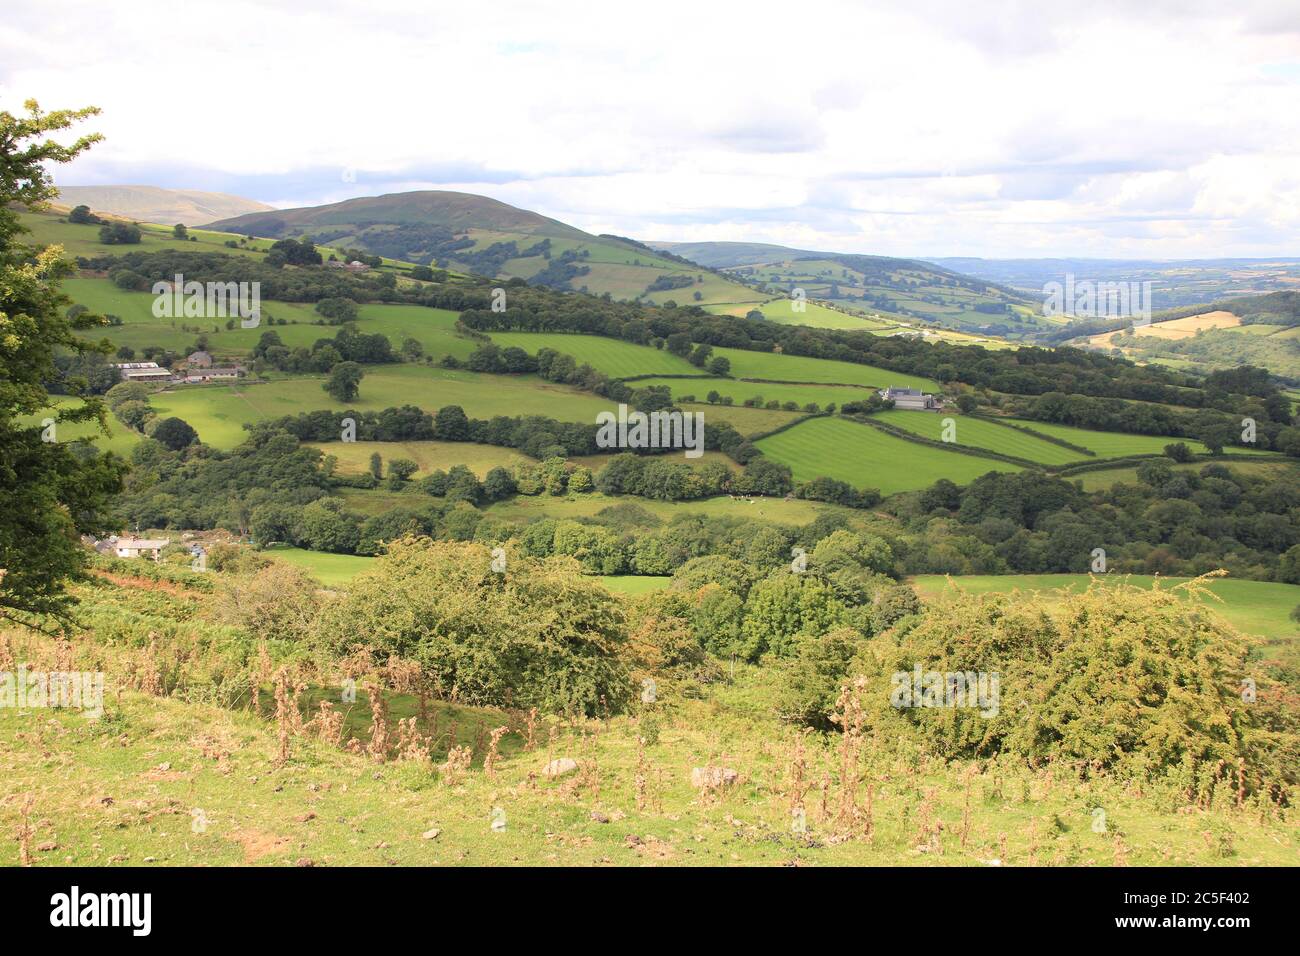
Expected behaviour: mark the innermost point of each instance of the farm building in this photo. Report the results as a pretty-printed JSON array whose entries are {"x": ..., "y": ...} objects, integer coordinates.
[
  {"x": 199, "y": 359},
  {"x": 140, "y": 547},
  {"x": 911, "y": 399},
  {"x": 144, "y": 372},
  {"x": 214, "y": 374}
]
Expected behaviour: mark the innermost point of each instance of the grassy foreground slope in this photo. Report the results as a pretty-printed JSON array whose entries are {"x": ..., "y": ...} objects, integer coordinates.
[{"x": 161, "y": 781}]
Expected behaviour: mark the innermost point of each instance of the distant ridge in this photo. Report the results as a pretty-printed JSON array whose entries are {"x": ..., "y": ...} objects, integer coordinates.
[
  {"x": 154, "y": 204},
  {"x": 449, "y": 210}
]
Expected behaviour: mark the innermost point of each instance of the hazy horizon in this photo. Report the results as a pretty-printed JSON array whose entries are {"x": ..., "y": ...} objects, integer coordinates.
[{"x": 924, "y": 129}]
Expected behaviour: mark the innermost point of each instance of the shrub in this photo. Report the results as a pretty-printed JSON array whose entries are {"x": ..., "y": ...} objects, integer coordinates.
[{"x": 539, "y": 635}]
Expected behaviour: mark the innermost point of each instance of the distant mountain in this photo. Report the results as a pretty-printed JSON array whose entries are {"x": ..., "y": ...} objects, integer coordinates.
[
  {"x": 724, "y": 255},
  {"x": 1174, "y": 282},
  {"x": 882, "y": 286},
  {"x": 476, "y": 234},
  {"x": 164, "y": 206},
  {"x": 453, "y": 211}
]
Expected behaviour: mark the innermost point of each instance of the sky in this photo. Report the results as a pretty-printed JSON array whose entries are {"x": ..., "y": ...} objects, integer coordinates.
[{"x": 1153, "y": 129}]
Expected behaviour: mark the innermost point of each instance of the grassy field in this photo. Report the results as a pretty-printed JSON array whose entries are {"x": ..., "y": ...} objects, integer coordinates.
[
  {"x": 747, "y": 421},
  {"x": 614, "y": 357},
  {"x": 797, "y": 368},
  {"x": 867, "y": 457},
  {"x": 781, "y": 311},
  {"x": 354, "y": 457},
  {"x": 303, "y": 326},
  {"x": 634, "y": 584},
  {"x": 979, "y": 433},
  {"x": 1105, "y": 478},
  {"x": 1261, "y": 608},
  {"x": 793, "y": 512},
  {"x": 740, "y": 391},
  {"x": 619, "y": 359},
  {"x": 1120, "y": 444},
  {"x": 119, "y": 439},
  {"x": 219, "y": 412},
  {"x": 331, "y": 570}
]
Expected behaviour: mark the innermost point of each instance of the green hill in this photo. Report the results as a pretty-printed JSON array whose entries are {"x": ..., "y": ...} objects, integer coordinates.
[
  {"x": 887, "y": 291},
  {"x": 472, "y": 233}
]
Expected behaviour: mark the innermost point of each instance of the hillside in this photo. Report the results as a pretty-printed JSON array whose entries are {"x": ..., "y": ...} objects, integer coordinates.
[
  {"x": 482, "y": 235},
  {"x": 1261, "y": 330},
  {"x": 163, "y": 206},
  {"x": 889, "y": 290}
]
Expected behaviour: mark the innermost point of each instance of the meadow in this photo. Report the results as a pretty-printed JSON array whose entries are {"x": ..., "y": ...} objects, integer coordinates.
[
  {"x": 354, "y": 457},
  {"x": 740, "y": 391},
  {"x": 773, "y": 366},
  {"x": 614, "y": 357},
  {"x": 119, "y": 439},
  {"x": 1105, "y": 478},
  {"x": 523, "y": 509},
  {"x": 1121, "y": 444},
  {"x": 980, "y": 433},
  {"x": 781, "y": 311},
  {"x": 297, "y": 324},
  {"x": 619, "y": 359},
  {"x": 219, "y": 412},
  {"x": 332, "y": 570},
  {"x": 867, "y": 457}
]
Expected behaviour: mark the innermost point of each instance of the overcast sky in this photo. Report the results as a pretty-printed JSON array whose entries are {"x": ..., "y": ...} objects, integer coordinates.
[{"x": 927, "y": 127}]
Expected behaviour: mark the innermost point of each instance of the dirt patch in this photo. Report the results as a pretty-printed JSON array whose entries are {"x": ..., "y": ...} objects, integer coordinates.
[{"x": 258, "y": 843}]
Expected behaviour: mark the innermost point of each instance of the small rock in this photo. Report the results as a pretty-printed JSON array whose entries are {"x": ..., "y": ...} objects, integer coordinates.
[
  {"x": 559, "y": 767},
  {"x": 713, "y": 778},
  {"x": 430, "y": 834}
]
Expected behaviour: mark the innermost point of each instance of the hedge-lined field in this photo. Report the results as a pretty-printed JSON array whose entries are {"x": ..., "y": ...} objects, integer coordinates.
[
  {"x": 978, "y": 433},
  {"x": 614, "y": 357},
  {"x": 1119, "y": 444},
  {"x": 867, "y": 457},
  {"x": 798, "y": 368},
  {"x": 219, "y": 412},
  {"x": 739, "y": 391},
  {"x": 354, "y": 457}
]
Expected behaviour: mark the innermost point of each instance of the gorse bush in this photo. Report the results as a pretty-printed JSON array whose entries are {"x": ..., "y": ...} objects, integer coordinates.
[
  {"x": 536, "y": 635},
  {"x": 1119, "y": 678}
]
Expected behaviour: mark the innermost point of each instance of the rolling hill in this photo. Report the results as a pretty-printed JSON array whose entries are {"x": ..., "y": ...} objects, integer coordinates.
[
  {"x": 885, "y": 289},
  {"x": 477, "y": 234},
  {"x": 164, "y": 206}
]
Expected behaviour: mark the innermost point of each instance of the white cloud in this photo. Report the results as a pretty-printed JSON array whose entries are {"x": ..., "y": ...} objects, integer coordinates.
[{"x": 917, "y": 127}]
